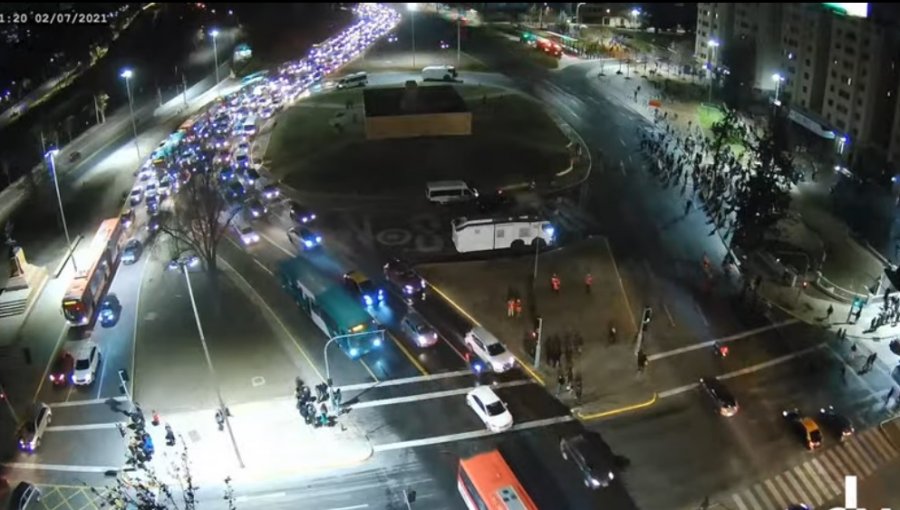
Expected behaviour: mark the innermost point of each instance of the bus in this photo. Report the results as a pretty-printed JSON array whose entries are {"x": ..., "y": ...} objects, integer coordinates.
[
  {"x": 486, "y": 482},
  {"x": 497, "y": 233},
  {"x": 330, "y": 306},
  {"x": 88, "y": 287},
  {"x": 567, "y": 44}
]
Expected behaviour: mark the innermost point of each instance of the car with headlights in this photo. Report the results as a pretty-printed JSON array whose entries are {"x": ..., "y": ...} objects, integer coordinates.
[
  {"x": 131, "y": 253},
  {"x": 127, "y": 217},
  {"x": 165, "y": 186},
  {"x": 804, "y": 427},
  {"x": 300, "y": 214},
  {"x": 836, "y": 423},
  {"x": 418, "y": 330},
  {"x": 256, "y": 209},
  {"x": 153, "y": 225},
  {"x": 721, "y": 397},
  {"x": 235, "y": 191},
  {"x": 489, "y": 349},
  {"x": 61, "y": 371},
  {"x": 245, "y": 233},
  {"x": 402, "y": 276},
  {"x": 489, "y": 408},
  {"x": 109, "y": 311},
  {"x": 304, "y": 238},
  {"x": 152, "y": 205},
  {"x": 270, "y": 192},
  {"x": 362, "y": 286},
  {"x": 590, "y": 459},
  {"x": 87, "y": 361},
  {"x": 136, "y": 196},
  {"x": 33, "y": 427}
]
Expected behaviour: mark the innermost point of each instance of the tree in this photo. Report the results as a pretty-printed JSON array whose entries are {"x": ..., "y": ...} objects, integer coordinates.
[
  {"x": 724, "y": 131},
  {"x": 765, "y": 198},
  {"x": 201, "y": 216}
]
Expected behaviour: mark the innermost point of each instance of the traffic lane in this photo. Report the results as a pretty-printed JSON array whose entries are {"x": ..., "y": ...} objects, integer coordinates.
[
  {"x": 413, "y": 419},
  {"x": 300, "y": 335},
  {"x": 879, "y": 490},
  {"x": 88, "y": 413},
  {"x": 680, "y": 449},
  {"x": 94, "y": 447},
  {"x": 747, "y": 353},
  {"x": 117, "y": 342},
  {"x": 426, "y": 387}
]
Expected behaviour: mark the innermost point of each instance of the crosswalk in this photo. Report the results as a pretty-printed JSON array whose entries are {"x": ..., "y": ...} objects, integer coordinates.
[{"x": 820, "y": 479}]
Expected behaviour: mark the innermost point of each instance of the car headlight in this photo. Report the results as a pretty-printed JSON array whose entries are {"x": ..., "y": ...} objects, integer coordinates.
[
  {"x": 368, "y": 300},
  {"x": 318, "y": 239},
  {"x": 407, "y": 289},
  {"x": 380, "y": 295},
  {"x": 308, "y": 243},
  {"x": 421, "y": 339}
]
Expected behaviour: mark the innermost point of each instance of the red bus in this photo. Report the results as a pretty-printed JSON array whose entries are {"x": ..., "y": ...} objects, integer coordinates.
[
  {"x": 486, "y": 482},
  {"x": 88, "y": 287}
]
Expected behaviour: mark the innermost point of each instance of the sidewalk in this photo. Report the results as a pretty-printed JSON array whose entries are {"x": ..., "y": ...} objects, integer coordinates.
[
  {"x": 272, "y": 439},
  {"x": 610, "y": 380}
]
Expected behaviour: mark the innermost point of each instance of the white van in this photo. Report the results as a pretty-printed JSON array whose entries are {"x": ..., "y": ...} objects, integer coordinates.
[
  {"x": 440, "y": 73},
  {"x": 489, "y": 349},
  {"x": 445, "y": 192},
  {"x": 360, "y": 79}
]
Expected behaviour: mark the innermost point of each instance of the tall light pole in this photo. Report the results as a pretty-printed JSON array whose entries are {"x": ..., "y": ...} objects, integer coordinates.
[
  {"x": 458, "y": 39},
  {"x": 412, "y": 7},
  {"x": 777, "y": 78},
  {"x": 713, "y": 44},
  {"x": 51, "y": 156},
  {"x": 577, "y": 12},
  {"x": 634, "y": 16},
  {"x": 127, "y": 74},
  {"x": 378, "y": 342},
  {"x": 184, "y": 263},
  {"x": 215, "y": 34}
]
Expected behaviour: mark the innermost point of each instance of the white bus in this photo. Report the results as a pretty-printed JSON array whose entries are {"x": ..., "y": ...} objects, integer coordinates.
[
  {"x": 248, "y": 126},
  {"x": 500, "y": 233}
]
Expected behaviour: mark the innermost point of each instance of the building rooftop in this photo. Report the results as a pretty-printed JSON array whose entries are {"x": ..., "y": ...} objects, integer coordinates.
[{"x": 380, "y": 102}]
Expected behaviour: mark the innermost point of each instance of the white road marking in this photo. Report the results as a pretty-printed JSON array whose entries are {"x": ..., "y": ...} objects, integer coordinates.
[
  {"x": 354, "y": 507},
  {"x": 263, "y": 266},
  {"x": 137, "y": 318},
  {"x": 86, "y": 426},
  {"x": 429, "y": 396},
  {"x": 669, "y": 315},
  {"x": 405, "y": 380},
  {"x": 724, "y": 339},
  {"x": 700, "y": 312},
  {"x": 744, "y": 371},
  {"x": 75, "y": 403},
  {"x": 271, "y": 495},
  {"x": 622, "y": 141},
  {"x": 276, "y": 244},
  {"x": 61, "y": 467},
  {"x": 449, "y": 438}
]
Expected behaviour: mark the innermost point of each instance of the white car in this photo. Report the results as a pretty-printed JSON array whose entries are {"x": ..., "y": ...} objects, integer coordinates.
[
  {"x": 32, "y": 429},
  {"x": 488, "y": 406},
  {"x": 165, "y": 186},
  {"x": 489, "y": 349},
  {"x": 137, "y": 195},
  {"x": 150, "y": 191},
  {"x": 87, "y": 359}
]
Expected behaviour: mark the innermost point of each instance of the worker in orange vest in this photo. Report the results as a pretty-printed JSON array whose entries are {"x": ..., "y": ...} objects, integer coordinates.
[
  {"x": 588, "y": 282},
  {"x": 510, "y": 307},
  {"x": 518, "y": 307},
  {"x": 555, "y": 283}
]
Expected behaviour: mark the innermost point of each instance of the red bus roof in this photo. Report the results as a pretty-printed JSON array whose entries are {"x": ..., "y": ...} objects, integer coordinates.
[
  {"x": 101, "y": 240},
  {"x": 496, "y": 483}
]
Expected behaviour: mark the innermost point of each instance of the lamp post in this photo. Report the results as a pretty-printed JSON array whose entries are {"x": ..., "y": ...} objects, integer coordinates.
[
  {"x": 634, "y": 16},
  {"x": 777, "y": 78},
  {"x": 51, "y": 156},
  {"x": 578, "y": 12},
  {"x": 127, "y": 74},
  {"x": 215, "y": 34},
  {"x": 184, "y": 263},
  {"x": 377, "y": 342},
  {"x": 412, "y": 7},
  {"x": 713, "y": 44},
  {"x": 458, "y": 39}
]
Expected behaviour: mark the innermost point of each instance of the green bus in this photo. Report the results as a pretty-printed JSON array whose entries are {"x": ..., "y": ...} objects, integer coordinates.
[{"x": 330, "y": 306}]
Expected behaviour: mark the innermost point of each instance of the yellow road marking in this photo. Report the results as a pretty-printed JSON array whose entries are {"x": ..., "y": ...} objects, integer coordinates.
[
  {"x": 409, "y": 356},
  {"x": 614, "y": 412}
]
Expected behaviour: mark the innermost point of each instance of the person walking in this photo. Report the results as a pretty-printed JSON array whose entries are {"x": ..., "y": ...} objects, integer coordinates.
[
  {"x": 518, "y": 307},
  {"x": 560, "y": 382},
  {"x": 829, "y": 312},
  {"x": 588, "y": 282},
  {"x": 510, "y": 307},
  {"x": 555, "y": 283}
]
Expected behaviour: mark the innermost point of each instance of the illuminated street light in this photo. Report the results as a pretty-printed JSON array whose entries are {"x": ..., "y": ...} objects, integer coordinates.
[
  {"x": 713, "y": 45},
  {"x": 127, "y": 74},
  {"x": 634, "y": 15},
  {"x": 51, "y": 157},
  {"x": 777, "y": 78},
  {"x": 412, "y": 7},
  {"x": 215, "y": 34}
]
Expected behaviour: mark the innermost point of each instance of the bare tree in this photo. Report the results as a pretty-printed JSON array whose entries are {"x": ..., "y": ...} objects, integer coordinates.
[{"x": 201, "y": 216}]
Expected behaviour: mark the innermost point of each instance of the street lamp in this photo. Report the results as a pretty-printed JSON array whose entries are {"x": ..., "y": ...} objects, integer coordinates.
[
  {"x": 127, "y": 74},
  {"x": 377, "y": 342},
  {"x": 183, "y": 263},
  {"x": 634, "y": 15},
  {"x": 51, "y": 156},
  {"x": 412, "y": 7},
  {"x": 713, "y": 44},
  {"x": 777, "y": 78},
  {"x": 577, "y": 12},
  {"x": 215, "y": 34}
]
